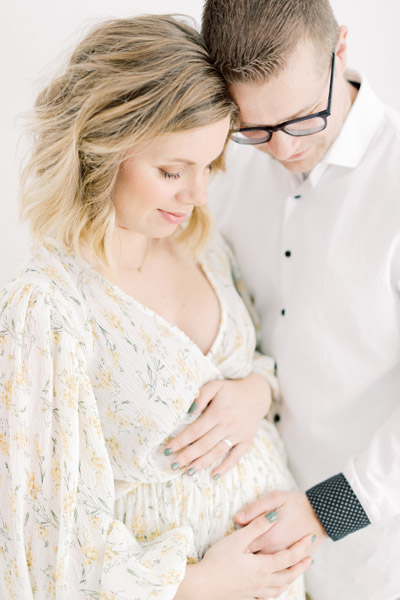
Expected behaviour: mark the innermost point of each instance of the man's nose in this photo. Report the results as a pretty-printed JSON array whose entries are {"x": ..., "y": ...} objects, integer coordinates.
[{"x": 282, "y": 146}]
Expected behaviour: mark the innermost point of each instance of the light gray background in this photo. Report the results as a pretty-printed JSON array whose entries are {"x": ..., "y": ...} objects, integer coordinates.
[{"x": 35, "y": 34}]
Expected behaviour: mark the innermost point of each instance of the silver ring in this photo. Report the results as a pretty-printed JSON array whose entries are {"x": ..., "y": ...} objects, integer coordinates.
[{"x": 228, "y": 443}]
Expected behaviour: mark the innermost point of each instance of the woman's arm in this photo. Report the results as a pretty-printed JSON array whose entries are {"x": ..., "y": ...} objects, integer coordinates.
[{"x": 58, "y": 535}]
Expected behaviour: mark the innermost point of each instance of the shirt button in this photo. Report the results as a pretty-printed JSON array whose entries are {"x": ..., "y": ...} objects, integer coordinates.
[
  {"x": 288, "y": 253},
  {"x": 297, "y": 196},
  {"x": 283, "y": 312}
]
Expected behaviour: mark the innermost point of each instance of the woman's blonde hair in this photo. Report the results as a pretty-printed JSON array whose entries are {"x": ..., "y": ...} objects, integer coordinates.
[{"x": 128, "y": 81}]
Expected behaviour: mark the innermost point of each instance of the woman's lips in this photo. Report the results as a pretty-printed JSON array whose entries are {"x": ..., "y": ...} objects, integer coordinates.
[{"x": 173, "y": 217}]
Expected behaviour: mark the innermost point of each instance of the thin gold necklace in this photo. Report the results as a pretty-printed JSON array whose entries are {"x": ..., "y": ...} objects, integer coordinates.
[{"x": 140, "y": 267}]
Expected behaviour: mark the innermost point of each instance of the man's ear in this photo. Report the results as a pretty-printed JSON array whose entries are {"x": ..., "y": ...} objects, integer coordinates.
[{"x": 341, "y": 49}]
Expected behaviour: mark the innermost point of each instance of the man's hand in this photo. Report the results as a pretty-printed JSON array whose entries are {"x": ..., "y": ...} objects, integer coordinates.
[{"x": 296, "y": 519}]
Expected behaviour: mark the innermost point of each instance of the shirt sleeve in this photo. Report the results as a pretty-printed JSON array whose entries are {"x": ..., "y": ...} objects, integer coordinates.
[
  {"x": 374, "y": 474},
  {"x": 58, "y": 536},
  {"x": 372, "y": 478}
]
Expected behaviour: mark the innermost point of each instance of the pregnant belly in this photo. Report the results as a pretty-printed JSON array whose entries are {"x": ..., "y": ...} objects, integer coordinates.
[{"x": 206, "y": 505}]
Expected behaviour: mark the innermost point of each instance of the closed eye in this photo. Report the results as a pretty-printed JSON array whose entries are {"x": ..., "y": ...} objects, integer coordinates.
[{"x": 169, "y": 175}]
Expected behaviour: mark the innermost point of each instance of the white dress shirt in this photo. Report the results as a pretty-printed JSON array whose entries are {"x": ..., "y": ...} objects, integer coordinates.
[{"x": 321, "y": 258}]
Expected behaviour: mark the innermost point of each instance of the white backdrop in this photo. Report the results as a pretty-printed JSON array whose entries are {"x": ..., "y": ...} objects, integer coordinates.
[{"x": 34, "y": 34}]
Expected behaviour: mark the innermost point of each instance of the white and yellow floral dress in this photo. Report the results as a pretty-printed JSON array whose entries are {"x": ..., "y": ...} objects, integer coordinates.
[{"x": 92, "y": 385}]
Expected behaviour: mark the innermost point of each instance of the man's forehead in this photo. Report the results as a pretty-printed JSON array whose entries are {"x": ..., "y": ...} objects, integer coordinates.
[{"x": 292, "y": 93}]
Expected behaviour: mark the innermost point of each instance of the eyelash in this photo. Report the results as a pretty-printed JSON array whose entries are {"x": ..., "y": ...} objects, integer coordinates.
[{"x": 168, "y": 175}]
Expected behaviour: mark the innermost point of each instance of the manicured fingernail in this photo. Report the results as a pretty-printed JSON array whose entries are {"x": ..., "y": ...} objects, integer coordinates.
[
  {"x": 168, "y": 451},
  {"x": 192, "y": 408},
  {"x": 271, "y": 516},
  {"x": 175, "y": 466},
  {"x": 217, "y": 476},
  {"x": 191, "y": 471},
  {"x": 314, "y": 537},
  {"x": 312, "y": 562}
]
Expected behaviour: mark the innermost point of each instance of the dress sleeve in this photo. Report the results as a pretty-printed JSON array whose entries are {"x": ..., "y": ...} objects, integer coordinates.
[{"x": 58, "y": 537}]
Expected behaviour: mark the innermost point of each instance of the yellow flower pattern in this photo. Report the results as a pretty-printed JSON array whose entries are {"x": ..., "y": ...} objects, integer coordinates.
[{"x": 93, "y": 384}]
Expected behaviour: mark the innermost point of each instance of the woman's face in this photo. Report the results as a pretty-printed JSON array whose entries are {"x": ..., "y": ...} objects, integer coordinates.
[{"x": 160, "y": 182}]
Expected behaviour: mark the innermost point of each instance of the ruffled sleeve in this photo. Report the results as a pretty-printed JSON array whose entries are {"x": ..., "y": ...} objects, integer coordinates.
[{"x": 58, "y": 537}]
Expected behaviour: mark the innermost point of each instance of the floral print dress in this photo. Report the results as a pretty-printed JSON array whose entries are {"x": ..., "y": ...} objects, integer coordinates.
[{"x": 93, "y": 384}]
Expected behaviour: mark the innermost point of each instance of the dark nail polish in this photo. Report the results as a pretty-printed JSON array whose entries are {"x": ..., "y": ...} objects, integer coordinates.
[
  {"x": 217, "y": 476},
  {"x": 271, "y": 516},
  {"x": 191, "y": 471},
  {"x": 314, "y": 537},
  {"x": 168, "y": 451},
  {"x": 175, "y": 466},
  {"x": 192, "y": 408}
]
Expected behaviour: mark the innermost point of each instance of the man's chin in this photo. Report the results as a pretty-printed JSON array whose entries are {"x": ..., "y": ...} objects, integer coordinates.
[{"x": 304, "y": 163}]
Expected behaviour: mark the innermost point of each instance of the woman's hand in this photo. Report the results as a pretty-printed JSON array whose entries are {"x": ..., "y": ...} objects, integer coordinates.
[
  {"x": 233, "y": 410},
  {"x": 229, "y": 571}
]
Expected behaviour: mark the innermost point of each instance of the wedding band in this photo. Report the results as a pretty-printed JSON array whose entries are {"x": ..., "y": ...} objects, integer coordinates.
[{"x": 228, "y": 443}]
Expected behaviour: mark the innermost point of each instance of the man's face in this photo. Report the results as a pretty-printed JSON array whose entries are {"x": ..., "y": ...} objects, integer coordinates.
[{"x": 301, "y": 89}]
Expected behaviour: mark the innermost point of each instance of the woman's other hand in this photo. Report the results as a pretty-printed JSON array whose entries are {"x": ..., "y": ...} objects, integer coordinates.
[
  {"x": 229, "y": 571},
  {"x": 232, "y": 411}
]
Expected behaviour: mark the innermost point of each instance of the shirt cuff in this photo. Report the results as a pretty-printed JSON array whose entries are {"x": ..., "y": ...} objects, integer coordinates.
[{"x": 337, "y": 507}]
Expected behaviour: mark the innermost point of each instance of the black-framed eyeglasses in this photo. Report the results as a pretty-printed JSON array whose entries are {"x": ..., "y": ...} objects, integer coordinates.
[{"x": 296, "y": 127}]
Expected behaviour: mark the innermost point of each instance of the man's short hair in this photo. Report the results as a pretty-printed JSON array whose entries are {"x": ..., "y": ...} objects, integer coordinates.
[{"x": 252, "y": 40}]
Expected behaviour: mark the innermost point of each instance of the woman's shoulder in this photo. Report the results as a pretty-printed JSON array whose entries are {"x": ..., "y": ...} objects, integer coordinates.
[
  {"x": 44, "y": 289},
  {"x": 218, "y": 252}
]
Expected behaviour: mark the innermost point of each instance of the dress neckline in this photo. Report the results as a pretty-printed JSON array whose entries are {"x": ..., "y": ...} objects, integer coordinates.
[{"x": 128, "y": 299}]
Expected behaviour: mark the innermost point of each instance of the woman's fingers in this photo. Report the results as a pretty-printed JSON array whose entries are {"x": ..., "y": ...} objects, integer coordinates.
[
  {"x": 284, "y": 559},
  {"x": 204, "y": 452},
  {"x": 207, "y": 393},
  {"x": 279, "y": 582},
  {"x": 230, "y": 461},
  {"x": 203, "y": 424},
  {"x": 263, "y": 504},
  {"x": 253, "y": 530}
]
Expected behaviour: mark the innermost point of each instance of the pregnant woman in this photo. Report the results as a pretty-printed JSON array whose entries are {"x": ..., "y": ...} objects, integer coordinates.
[{"x": 124, "y": 314}]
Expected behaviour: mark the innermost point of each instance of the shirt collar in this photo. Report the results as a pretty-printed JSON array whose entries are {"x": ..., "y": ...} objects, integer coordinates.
[{"x": 359, "y": 127}]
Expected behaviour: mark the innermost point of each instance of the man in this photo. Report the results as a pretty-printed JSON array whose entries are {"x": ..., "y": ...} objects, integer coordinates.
[{"x": 315, "y": 221}]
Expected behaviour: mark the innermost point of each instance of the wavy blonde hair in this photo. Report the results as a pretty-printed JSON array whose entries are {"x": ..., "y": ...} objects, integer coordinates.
[{"x": 127, "y": 82}]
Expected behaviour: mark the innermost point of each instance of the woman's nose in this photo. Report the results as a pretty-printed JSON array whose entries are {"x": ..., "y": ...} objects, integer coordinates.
[{"x": 196, "y": 192}]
